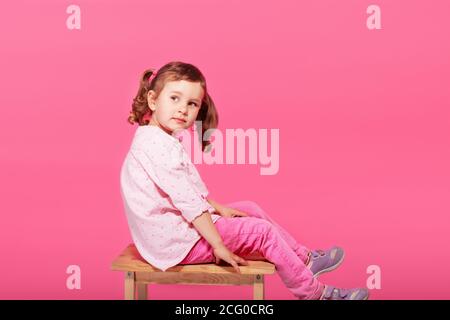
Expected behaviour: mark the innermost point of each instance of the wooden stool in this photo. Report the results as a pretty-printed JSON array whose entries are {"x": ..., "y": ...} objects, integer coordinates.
[{"x": 139, "y": 273}]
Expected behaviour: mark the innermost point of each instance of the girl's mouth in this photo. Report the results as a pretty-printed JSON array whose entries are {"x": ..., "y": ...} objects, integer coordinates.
[{"x": 179, "y": 120}]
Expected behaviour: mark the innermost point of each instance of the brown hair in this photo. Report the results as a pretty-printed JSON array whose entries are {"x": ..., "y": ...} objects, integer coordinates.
[{"x": 173, "y": 71}]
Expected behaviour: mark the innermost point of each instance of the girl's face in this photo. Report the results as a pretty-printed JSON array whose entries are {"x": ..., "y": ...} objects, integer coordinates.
[{"x": 177, "y": 105}]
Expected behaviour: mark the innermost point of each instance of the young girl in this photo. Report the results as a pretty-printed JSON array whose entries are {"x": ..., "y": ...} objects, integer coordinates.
[{"x": 171, "y": 219}]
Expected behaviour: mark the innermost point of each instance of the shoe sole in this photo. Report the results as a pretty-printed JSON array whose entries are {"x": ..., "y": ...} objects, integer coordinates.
[{"x": 330, "y": 268}]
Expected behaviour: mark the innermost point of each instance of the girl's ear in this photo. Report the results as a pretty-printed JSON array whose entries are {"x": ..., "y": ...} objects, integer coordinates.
[{"x": 151, "y": 100}]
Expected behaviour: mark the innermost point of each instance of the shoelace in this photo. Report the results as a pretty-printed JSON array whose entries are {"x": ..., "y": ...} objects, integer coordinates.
[{"x": 317, "y": 253}]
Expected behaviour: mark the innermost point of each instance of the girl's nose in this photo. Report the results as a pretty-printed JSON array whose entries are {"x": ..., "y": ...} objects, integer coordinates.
[{"x": 183, "y": 108}]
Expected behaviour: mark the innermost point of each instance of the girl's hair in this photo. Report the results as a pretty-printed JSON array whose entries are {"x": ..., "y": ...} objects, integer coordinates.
[{"x": 173, "y": 71}]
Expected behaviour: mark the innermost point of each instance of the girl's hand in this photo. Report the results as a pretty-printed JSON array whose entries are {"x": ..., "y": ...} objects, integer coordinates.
[
  {"x": 223, "y": 253},
  {"x": 230, "y": 212}
]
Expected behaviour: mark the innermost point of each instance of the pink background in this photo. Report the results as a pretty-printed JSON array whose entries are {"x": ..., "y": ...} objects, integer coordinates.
[{"x": 363, "y": 118}]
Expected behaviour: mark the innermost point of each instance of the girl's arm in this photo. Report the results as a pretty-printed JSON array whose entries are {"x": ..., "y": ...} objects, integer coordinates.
[
  {"x": 216, "y": 205},
  {"x": 205, "y": 226}
]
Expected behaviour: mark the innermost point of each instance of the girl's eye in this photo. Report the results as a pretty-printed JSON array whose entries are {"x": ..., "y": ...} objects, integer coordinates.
[{"x": 195, "y": 104}]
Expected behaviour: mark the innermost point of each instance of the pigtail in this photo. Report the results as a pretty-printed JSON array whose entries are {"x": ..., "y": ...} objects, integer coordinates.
[
  {"x": 139, "y": 108},
  {"x": 209, "y": 118}
]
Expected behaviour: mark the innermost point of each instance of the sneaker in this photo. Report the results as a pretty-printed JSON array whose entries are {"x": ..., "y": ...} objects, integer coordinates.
[
  {"x": 332, "y": 293},
  {"x": 321, "y": 261}
]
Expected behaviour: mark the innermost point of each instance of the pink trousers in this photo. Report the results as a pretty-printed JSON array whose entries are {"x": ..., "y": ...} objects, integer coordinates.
[{"x": 258, "y": 237}]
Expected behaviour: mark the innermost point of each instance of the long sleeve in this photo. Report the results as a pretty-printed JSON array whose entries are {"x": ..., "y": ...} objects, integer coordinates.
[{"x": 165, "y": 165}]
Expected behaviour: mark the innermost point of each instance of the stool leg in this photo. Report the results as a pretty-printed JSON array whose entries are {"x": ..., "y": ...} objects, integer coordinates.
[
  {"x": 141, "y": 291},
  {"x": 258, "y": 287},
  {"x": 129, "y": 285}
]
